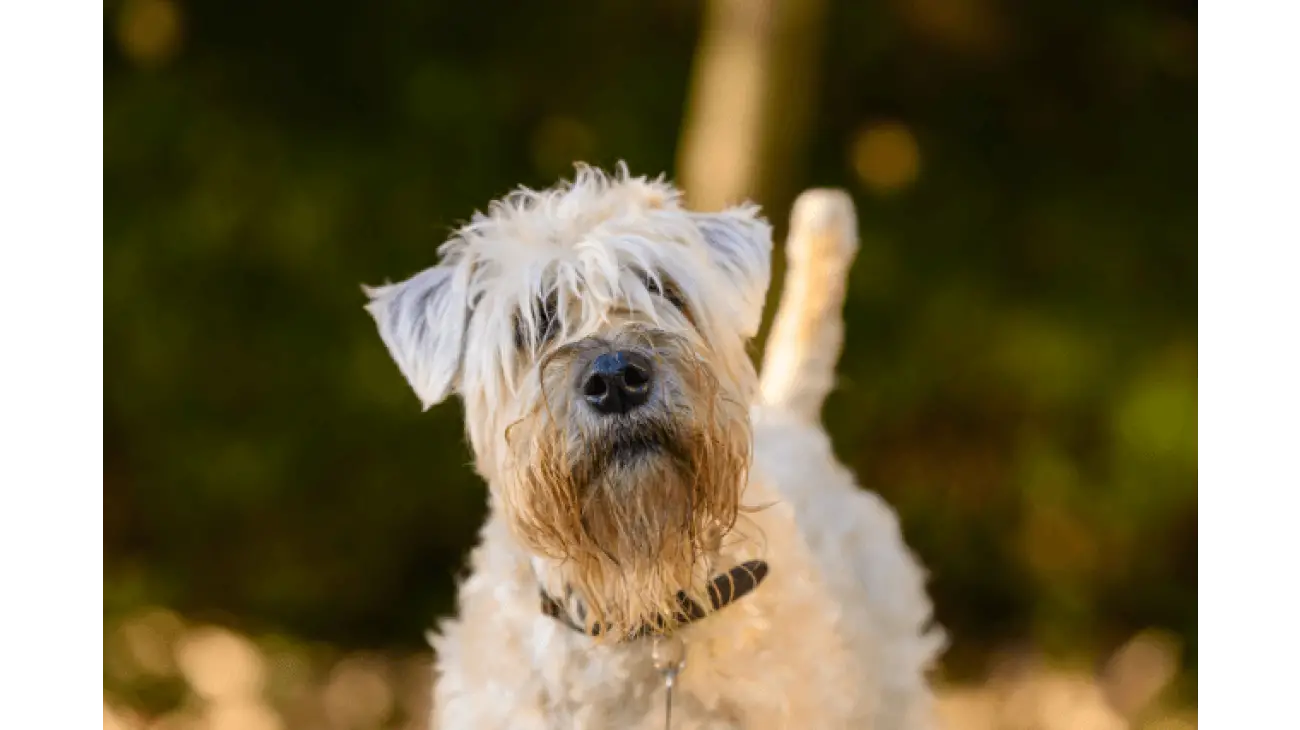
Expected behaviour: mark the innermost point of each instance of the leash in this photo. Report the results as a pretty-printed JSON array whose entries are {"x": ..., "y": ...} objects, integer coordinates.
[{"x": 668, "y": 652}]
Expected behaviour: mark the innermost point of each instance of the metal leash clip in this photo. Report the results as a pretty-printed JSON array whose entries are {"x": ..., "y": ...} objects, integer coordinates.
[{"x": 669, "y": 656}]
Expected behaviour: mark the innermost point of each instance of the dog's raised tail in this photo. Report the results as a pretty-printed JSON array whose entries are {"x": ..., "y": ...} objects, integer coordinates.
[{"x": 808, "y": 332}]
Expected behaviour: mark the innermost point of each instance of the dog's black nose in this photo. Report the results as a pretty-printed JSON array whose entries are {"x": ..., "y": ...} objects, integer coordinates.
[{"x": 617, "y": 382}]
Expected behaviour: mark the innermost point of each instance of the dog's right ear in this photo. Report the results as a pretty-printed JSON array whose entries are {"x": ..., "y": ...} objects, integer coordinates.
[{"x": 422, "y": 322}]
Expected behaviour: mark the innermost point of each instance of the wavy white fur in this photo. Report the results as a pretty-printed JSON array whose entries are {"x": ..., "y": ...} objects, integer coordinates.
[{"x": 837, "y": 636}]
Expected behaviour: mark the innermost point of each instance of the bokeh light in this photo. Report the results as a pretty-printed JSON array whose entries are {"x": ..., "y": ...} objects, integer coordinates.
[
  {"x": 886, "y": 157},
  {"x": 149, "y": 31}
]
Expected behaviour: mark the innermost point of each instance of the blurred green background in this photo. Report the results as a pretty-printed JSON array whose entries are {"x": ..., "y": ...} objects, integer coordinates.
[{"x": 1020, "y": 373}]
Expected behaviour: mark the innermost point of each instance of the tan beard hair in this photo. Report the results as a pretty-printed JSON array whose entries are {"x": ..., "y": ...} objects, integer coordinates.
[{"x": 629, "y": 537}]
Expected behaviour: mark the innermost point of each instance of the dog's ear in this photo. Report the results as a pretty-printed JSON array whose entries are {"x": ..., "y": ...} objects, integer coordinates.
[
  {"x": 739, "y": 243},
  {"x": 422, "y": 322}
]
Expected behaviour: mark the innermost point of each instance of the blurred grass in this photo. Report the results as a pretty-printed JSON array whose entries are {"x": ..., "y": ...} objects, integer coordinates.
[{"x": 1020, "y": 371}]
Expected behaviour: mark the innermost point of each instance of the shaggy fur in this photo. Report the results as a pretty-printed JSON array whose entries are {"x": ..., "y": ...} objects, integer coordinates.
[{"x": 612, "y": 516}]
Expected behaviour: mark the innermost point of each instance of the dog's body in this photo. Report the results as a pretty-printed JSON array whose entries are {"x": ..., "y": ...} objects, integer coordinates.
[{"x": 609, "y": 508}]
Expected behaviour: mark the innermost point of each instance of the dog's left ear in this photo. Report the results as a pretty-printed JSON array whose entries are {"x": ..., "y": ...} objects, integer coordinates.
[
  {"x": 422, "y": 322},
  {"x": 739, "y": 243}
]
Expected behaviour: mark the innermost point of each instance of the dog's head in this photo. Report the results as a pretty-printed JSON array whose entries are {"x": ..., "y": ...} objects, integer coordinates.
[{"x": 597, "y": 334}]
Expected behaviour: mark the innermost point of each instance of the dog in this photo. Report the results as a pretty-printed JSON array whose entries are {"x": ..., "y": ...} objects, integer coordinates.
[{"x": 670, "y": 538}]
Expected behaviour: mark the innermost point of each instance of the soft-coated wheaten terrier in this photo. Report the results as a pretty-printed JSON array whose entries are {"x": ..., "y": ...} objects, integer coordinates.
[{"x": 671, "y": 537}]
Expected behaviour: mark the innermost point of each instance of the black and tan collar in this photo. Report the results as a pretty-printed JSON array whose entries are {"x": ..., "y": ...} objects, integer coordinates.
[{"x": 724, "y": 589}]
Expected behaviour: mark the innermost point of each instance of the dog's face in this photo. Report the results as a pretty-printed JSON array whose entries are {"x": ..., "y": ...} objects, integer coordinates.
[{"x": 597, "y": 335}]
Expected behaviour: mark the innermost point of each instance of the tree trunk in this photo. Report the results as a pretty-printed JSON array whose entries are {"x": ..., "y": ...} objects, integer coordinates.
[{"x": 752, "y": 92}]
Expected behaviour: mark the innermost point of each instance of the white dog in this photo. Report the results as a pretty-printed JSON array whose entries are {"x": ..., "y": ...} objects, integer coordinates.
[{"x": 670, "y": 538}]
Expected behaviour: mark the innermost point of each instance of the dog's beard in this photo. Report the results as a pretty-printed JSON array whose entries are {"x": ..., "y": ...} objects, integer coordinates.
[{"x": 629, "y": 510}]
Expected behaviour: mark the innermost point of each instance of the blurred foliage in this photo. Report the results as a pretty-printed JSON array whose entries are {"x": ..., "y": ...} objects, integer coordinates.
[{"x": 1019, "y": 377}]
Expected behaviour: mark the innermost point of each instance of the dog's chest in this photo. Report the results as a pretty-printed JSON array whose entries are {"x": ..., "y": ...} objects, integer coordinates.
[{"x": 738, "y": 673}]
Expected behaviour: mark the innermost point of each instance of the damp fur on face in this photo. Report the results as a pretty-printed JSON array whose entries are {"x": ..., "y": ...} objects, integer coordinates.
[
  {"x": 629, "y": 530},
  {"x": 627, "y": 508}
]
